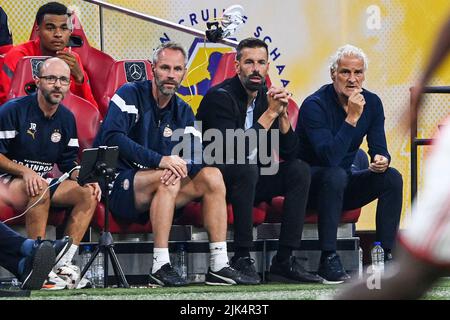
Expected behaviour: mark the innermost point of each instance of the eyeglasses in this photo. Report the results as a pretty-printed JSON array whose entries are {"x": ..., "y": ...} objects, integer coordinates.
[{"x": 52, "y": 80}]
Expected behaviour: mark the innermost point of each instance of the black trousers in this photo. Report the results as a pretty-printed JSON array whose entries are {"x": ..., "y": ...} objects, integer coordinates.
[
  {"x": 10, "y": 245},
  {"x": 246, "y": 187},
  {"x": 334, "y": 190}
]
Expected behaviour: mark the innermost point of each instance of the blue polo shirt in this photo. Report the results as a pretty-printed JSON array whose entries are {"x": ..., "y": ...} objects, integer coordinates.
[
  {"x": 327, "y": 140},
  {"x": 29, "y": 138}
]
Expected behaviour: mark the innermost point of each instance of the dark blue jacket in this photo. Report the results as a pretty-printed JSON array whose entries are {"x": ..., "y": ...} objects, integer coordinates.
[
  {"x": 143, "y": 131},
  {"x": 326, "y": 140},
  {"x": 29, "y": 138},
  {"x": 224, "y": 107}
]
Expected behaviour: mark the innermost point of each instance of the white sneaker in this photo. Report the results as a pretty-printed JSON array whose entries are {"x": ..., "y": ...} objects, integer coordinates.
[
  {"x": 54, "y": 282},
  {"x": 71, "y": 275},
  {"x": 84, "y": 284}
]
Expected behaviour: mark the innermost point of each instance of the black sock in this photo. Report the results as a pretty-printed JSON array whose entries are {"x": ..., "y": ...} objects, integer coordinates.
[
  {"x": 283, "y": 253},
  {"x": 326, "y": 253},
  {"x": 240, "y": 252}
]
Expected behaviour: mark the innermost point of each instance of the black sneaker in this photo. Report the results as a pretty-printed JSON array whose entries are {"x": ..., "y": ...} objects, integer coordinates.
[
  {"x": 291, "y": 271},
  {"x": 61, "y": 247},
  {"x": 331, "y": 270},
  {"x": 246, "y": 266},
  {"x": 38, "y": 265},
  {"x": 167, "y": 277},
  {"x": 228, "y": 276}
]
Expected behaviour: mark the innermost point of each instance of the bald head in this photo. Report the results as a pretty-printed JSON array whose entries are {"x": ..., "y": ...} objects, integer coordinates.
[
  {"x": 53, "y": 81},
  {"x": 53, "y": 63}
]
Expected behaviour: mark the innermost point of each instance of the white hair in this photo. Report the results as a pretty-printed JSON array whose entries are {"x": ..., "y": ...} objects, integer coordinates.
[{"x": 347, "y": 50}]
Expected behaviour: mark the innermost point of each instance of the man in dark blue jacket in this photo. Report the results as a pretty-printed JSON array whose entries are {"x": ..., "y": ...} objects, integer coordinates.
[
  {"x": 153, "y": 179},
  {"x": 332, "y": 124}
]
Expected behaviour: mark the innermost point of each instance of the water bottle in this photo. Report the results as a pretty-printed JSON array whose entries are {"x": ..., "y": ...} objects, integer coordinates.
[
  {"x": 182, "y": 261},
  {"x": 99, "y": 279},
  {"x": 85, "y": 257},
  {"x": 360, "y": 266},
  {"x": 377, "y": 258},
  {"x": 98, "y": 271}
]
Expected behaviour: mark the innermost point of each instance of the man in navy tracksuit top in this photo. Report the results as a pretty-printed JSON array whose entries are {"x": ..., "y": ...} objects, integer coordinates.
[
  {"x": 331, "y": 126},
  {"x": 36, "y": 132},
  {"x": 152, "y": 183}
]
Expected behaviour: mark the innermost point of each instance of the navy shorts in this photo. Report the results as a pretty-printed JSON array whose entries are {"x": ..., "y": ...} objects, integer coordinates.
[{"x": 121, "y": 199}]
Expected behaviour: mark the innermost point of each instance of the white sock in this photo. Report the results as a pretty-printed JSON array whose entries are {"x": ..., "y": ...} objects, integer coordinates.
[
  {"x": 160, "y": 258},
  {"x": 67, "y": 258},
  {"x": 219, "y": 257}
]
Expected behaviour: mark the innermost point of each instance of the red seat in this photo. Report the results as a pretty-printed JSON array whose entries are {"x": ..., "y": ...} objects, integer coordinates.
[
  {"x": 87, "y": 117},
  {"x": 117, "y": 226},
  {"x": 96, "y": 63},
  {"x": 225, "y": 69},
  {"x": 192, "y": 214},
  {"x": 55, "y": 218},
  {"x": 121, "y": 72}
]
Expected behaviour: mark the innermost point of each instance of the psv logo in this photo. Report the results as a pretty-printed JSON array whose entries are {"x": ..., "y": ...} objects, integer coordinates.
[{"x": 56, "y": 136}]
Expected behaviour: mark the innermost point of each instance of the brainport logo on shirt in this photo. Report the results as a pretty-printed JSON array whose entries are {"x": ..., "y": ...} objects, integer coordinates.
[
  {"x": 56, "y": 136},
  {"x": 204, "y": 57}
]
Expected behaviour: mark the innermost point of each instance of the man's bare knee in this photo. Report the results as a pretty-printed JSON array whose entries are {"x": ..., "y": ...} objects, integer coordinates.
[
  {"x": 87, "y": 196},
  {"x": 171, "y": 189},
  {"x": 43, "y": 197},
  {"x": 212, "y": 180}
]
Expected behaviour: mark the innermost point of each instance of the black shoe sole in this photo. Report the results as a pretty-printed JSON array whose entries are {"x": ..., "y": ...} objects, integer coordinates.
[
  {"x": 213, "y": 280},
  {"x": 43, "y": 262},
  {"x": 273, "y": 277},
  {"x": 153, "y": 281}
]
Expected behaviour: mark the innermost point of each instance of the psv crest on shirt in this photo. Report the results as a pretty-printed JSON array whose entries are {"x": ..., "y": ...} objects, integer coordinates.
[{"x": 56, "y": 136}]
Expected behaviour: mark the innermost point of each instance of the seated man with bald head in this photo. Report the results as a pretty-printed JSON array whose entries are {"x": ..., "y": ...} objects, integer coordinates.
[{"x": 37, "y": 132}]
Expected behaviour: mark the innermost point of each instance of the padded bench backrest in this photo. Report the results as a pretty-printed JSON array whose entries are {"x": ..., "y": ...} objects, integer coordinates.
[{"x": 121, "y": 72}]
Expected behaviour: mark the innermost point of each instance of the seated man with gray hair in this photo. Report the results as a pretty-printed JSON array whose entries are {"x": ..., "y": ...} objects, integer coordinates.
[{"x": 331, "y": 126}]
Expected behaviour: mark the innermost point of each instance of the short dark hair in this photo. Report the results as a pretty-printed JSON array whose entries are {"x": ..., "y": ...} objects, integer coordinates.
[
  {"x": 168, "y": 45},
  {"x": 250, "y": 43},
  {"x": 51, "y": 8}
]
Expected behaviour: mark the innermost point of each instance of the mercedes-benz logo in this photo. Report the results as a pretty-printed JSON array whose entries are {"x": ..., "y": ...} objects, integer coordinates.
[
  {"x": 135, "y": 72},
  {"x": 35, "y": 65}
]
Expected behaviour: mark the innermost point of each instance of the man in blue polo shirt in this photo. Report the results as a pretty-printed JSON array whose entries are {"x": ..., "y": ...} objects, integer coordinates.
[
  {"x": 37, "y": 132},
  {"x": 331, "y": 126}
]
